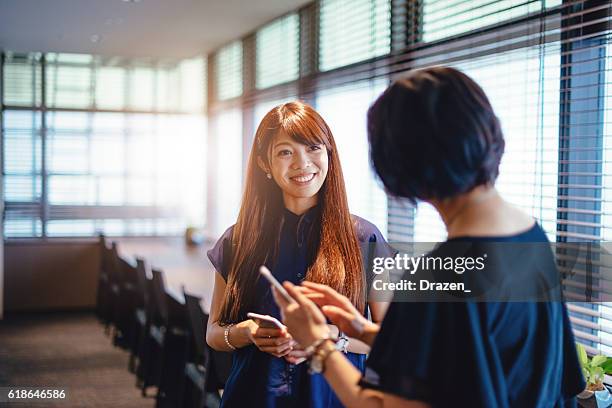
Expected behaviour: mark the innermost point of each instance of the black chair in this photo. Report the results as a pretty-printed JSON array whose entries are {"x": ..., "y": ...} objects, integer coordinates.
[
  {"x": 114, "y": 284},
  {"x": 125, "y": 300},
  {"x": 174, "y": 354},
  {"x": 152, "y": 337},
  {"x": 219, "y": 369},
  {"x": 197, "y": 368},
  {"x": 164, "y": 350},
  {"x": 141, "y": 312},
  {"x": 104, "y": 309}
]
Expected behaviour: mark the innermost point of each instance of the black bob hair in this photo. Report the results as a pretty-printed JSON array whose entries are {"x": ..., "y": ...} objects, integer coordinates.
[{"x": 434, "y": 135}]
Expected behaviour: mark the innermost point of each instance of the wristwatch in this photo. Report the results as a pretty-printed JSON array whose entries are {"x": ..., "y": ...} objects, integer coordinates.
[
  {"x": 317, "y": 361},
  {"x": 342, "y": 343}
]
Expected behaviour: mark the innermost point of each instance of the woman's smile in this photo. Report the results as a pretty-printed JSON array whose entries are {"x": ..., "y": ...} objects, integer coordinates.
[{"x": 303, "y": 179}]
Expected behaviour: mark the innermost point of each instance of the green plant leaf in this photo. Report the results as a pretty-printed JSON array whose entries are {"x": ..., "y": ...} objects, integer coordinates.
[
  {"x": 582, "y": 355},
  {"x": 598, "y": 375},
  {"x": 586, "y": 374},
  {"x": 598, "y": 360},
  {"x": 607, "y": 366}
]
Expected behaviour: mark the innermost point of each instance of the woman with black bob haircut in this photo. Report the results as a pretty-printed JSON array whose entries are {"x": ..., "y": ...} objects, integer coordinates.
[{"x": 434, "y": 137}]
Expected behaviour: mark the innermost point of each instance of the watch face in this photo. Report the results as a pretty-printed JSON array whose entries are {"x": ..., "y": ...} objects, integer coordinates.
[{"x": 342, "y": 344}]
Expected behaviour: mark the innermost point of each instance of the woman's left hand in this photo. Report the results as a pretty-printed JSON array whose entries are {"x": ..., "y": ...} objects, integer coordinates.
[
  {"x": 305, "y": 322},
  {"x": 296, "y": 356}
]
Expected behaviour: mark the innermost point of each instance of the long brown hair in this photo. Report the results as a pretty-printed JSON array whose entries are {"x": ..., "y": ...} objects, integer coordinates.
[{"x": 336, "y": 259}]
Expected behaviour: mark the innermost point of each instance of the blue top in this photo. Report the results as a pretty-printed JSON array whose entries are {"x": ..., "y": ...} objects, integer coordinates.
[
  {"x": 259, "y": 379},
  {"x": 510, "y": 354}
]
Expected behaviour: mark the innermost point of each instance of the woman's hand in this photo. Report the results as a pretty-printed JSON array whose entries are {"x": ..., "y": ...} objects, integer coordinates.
[
  {"x": 302, "y": 317},
  {"x": 296, "y": 356},
  {"x": 339, "y": 309},
  {"x": 272, "y": 341}
]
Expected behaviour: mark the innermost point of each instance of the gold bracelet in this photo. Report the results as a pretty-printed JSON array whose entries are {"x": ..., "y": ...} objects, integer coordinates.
[
  {"x": 317, "y": 362},
  {"x": 313, "y": 347},
  {"x": 226, "y": 336}
]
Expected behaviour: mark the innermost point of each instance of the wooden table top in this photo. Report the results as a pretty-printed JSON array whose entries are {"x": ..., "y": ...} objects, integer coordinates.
[{"x": 183, "y": 265}]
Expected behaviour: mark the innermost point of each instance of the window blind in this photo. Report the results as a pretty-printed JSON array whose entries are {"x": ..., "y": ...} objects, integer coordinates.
[
  {"x": 546, "y": 68},
  {"x": 22, "y": 174},
  {"x": 91, "y": 144},
  {"x": 228, "y": 71},
  {"x": 22, "y": 79},
  {"x": 352, "y": 31},
  {"x": 365, "y": 194},
  {"x": 527, "y": 105},
  {"x": 444, "y": 18},
  {"x": 277, "y": 52},
  {"x": 226, "y": 188}
]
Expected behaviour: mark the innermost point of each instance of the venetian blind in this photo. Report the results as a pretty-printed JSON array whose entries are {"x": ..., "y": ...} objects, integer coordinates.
[
  {"x": 228, "y": 71},
  {"x": 98, "y": 144},
  {"x": 352, "y": 31},
  {"x": 277, "y": 52}
]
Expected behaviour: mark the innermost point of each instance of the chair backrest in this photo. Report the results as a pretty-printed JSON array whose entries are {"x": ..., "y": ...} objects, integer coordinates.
[
  {"x": 103, "y": 254},
  {"x": 128, "y": 272},
  {"x": 114, "y": 268},
  {"x": 160, "y": 311},
  {"x": 142, "y": 283},
  {"x": 197, "y": 321}
]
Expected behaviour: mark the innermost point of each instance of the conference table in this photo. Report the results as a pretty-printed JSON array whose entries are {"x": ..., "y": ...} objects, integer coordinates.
[{"x": 184, "y": 266}]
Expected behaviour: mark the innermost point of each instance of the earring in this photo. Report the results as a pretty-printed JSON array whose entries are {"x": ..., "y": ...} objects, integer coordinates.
[{"x": 268, "y": 175}]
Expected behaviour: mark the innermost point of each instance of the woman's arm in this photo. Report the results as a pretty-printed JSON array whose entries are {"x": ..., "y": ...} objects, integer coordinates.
[
  {"x": 273, "y": 341},
  {"x": 363, "y": 344},
  {"x": 378, "y": 310},
  {"x": 306, "y": 322},
  {"x": 344, "y": 378}
]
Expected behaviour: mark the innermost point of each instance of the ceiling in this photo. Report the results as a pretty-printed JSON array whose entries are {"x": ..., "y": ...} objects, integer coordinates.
[{"x": 133, "y": 28}]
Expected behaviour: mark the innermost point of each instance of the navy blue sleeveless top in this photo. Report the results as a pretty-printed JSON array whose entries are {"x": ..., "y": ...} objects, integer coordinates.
[
  {"x": 259, "y": 379},
  {"x": 477, "y": 354}
]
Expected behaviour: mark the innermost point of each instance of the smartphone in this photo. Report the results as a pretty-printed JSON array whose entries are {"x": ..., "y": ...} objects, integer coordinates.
[
  {"x": 265, "y": 321},
  {"x": 268, "y": 275}
]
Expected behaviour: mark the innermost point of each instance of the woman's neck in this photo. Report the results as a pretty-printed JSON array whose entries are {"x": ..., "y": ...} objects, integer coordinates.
[
  {"x": 481, "y": 212},
  {"x": 299, "y": 205}
]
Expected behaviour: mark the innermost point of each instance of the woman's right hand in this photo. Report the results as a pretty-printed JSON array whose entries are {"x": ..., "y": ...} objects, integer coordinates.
[
  {"x": 272, "y": 341},
  {"x": 340, "y": 310}
]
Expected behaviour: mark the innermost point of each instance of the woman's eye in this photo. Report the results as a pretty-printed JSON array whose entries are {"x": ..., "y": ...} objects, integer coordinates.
[
  {"x": 283, "y": 153},
  {"x": 315, "y": 147}
]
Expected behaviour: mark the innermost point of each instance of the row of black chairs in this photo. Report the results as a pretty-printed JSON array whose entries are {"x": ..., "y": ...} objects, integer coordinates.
[{"x": 166, "y": 338}]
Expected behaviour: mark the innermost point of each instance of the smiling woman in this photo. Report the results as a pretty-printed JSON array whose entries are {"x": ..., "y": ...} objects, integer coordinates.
[
  {"x": 294, "y": 219},
  {"x": 298, "y": 169}
]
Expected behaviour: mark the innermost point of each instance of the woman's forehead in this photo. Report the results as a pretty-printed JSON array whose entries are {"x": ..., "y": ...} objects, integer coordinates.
[{"x": 282, "y": 138}]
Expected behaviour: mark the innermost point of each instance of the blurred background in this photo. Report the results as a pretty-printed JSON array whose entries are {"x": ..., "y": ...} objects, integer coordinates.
[{"x": 134, "y": 118}]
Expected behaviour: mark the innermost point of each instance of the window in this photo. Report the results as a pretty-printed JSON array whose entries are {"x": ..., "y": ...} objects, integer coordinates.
[
  {"x": 22, "y": 79},
  {"x": 228, "y": 71},
  {"x": 606, "y": 221},
  {"x": 227, "y": 192},
  {"x": 352, "y": 31},
  {"x": 344, "y": 109},
  {"x": 277, "y": 52},
  {"x": 446, "y": 18},
  {"x": 527, "y": 105},
  {"x": 79, "y": 171}
]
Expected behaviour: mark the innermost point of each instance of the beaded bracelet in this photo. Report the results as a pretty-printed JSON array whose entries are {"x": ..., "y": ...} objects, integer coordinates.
[
  {"x": 311, "y": 349},
  {"x": 226, "y": 336}
]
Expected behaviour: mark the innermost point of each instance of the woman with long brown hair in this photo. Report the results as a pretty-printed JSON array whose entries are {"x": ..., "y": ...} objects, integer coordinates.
[{"x": 294, "y": 218}]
